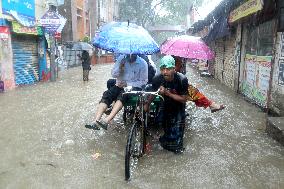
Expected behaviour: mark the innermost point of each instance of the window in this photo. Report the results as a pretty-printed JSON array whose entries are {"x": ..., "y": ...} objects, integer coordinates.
[{"x": 260, "y": 39}]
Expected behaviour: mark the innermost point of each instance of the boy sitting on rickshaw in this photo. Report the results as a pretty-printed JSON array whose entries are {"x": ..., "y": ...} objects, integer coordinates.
[{"x": 129, "y": 70}]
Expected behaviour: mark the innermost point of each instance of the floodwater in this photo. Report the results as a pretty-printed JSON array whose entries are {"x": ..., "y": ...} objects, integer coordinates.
[{"x": 44, "y": 144}]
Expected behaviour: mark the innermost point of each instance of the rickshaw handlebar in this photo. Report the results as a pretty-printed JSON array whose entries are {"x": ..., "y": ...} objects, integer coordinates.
[{"x": 143, "y": 93}]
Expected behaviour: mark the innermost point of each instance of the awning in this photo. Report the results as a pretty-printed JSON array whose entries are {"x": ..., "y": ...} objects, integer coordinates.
[
  {"x": 26, "y": 21},
  {"x": 220, "y": 29}
]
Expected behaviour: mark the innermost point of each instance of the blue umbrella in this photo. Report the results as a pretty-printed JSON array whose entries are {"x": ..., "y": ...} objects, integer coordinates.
[{"x": 125, "y": 38}]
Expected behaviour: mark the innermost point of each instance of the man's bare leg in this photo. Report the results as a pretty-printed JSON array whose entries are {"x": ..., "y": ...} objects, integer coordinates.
[
  {"x": 116, "y": 108},
  {"x": 104, "y": 123},
  {"x": 101, "y": 109}
]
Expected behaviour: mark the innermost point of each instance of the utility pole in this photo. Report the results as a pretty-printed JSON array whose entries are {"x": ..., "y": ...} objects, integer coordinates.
[
  {"x": 51, "y": 21},
  {"x": 53, "y": 65}
]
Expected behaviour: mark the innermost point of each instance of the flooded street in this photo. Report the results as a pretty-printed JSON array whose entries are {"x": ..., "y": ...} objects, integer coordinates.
[{"x": 44, "y": 144}]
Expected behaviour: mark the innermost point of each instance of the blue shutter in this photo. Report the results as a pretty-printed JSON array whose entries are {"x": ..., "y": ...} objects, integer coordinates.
[{"x": 25, "y": 58}]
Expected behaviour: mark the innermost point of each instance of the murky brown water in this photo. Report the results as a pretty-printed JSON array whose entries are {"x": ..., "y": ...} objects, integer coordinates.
[{"x": 44, "y": 144}]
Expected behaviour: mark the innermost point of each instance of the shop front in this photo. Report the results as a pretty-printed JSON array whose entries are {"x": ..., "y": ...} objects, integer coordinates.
[
  {"x": 223, "y": 39},
  {"x": 256, "y": 18},
  {"x": 27, "y": 50},
  {"x": 257, "y": 64}
]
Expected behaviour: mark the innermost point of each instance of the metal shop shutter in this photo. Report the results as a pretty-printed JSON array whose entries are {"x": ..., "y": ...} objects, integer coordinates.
[{"x": 25, "y": 59}]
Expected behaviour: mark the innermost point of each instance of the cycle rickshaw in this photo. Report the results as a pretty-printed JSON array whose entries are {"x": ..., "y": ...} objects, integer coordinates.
[{"x": 139, "y": 120}]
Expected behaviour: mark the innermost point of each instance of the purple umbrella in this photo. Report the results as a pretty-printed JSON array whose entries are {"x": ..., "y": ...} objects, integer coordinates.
[{"x": 187, "y": 47}]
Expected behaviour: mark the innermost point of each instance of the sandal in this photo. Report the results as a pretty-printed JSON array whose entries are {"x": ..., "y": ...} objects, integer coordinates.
[
  {"x": 103, "y": 124},
  {"x": 94, "y": 126}
]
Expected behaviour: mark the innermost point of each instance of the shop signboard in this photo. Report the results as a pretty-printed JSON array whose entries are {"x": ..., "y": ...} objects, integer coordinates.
[
  {"x": 26, "y": 8},
  {"x": 50, "y": 21},
  {"x": 17, "y": 28},
  {"x": 256, "y": 79},
  {"x": 248, "y": 8},
  {"x": 22, "y": 11}
]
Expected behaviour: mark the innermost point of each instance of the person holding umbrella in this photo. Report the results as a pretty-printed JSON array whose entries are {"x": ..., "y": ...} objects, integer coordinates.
[
  {"x": 86, "y": 64},
  {"x": 129, "y": 70}
]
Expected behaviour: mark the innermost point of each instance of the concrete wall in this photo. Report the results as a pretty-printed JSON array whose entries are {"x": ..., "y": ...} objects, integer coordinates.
[
  {"x": 277, "y": 94},
  {"x": 226, "y": 60}
]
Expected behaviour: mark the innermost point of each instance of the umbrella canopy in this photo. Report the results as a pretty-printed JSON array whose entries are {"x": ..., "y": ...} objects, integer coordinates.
[
  {"x": 125, "y": 38},
  {"x": 187, "y": 47},
  {"x": 82, "y": 46}
]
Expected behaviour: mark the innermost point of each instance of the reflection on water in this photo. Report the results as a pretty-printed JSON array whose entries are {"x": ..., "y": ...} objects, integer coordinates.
[{"x": 44, "y": 144}]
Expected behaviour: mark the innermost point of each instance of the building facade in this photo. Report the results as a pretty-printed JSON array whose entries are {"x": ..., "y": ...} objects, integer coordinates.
[
  {"x": 107, "y": 11},
  {"x": 248, "y": 47},
  {"x": 85, "y": 17},
  {"x": 77, "y": 26},
  {"x": 22, "y": 41}
]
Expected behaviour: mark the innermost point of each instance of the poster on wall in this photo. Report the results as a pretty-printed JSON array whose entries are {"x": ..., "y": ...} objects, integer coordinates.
[
  {"x": 249, "y": 75},
  {"x": 262, "y": 86},
  {"x": 281, "y": 72},
  {"x": 250, "y": 70},
  {"x": 256, "y": 78}
]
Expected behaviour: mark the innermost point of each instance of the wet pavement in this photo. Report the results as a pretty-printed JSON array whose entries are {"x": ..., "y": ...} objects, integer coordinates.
[{"x": 44, "y": 144}]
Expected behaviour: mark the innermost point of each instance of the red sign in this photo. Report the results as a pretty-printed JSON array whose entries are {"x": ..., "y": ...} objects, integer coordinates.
[
  {"x": 57, "y": 35},
  {"x": 4, "y": 32}
]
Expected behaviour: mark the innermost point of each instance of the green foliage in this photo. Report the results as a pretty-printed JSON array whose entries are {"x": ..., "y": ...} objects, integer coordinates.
[
  {"x": 86, "y": 39},
  {"x": 145, "y": 12},
  {"x": 136, "y": 11}
]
